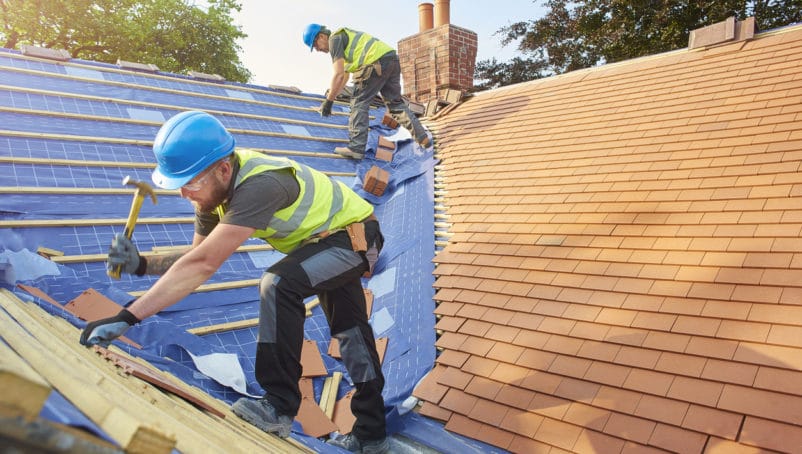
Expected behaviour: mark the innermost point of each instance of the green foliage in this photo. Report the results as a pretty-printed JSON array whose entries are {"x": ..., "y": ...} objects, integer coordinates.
[
  {"x": 175, "y": 35},
  {"x": 580, "y": 34}
]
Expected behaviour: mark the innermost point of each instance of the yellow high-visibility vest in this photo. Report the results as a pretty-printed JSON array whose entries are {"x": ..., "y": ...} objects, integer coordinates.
[
  {"x": 362, "y": 49},
  {"x": 322, "y": 204}
]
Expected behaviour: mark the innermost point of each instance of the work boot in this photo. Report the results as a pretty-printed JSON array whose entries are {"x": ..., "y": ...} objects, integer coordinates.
[
  {"x": 353, "y": 444},
  {"x": 262, "y": 415},
  {"x": 349, "y": 153}
]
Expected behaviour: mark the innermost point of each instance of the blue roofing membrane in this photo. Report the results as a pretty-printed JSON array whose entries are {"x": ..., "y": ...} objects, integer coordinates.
[{"x": 100, "y": 121}]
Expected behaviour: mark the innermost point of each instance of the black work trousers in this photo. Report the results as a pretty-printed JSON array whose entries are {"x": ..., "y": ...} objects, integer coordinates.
[{"x": 330, "y": 269}]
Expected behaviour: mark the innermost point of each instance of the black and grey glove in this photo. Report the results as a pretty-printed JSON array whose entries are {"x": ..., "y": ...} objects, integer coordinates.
[
  {"x": 124, "y": 253},
  {"x": 102, "y": 332},
  {"x": 325, "y": 108}
]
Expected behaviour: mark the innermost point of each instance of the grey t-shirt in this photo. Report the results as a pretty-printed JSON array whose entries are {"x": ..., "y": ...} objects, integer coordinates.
[
  {"x": 253, "y": 202},
  {"x": 337, "y": 43}
]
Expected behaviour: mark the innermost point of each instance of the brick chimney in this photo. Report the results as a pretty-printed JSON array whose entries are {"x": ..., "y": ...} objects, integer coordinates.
[{"x": 439, "y": 57}]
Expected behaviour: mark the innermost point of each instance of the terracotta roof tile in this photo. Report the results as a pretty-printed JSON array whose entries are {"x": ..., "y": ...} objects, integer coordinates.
[
  {"x": 712, "y": 421},
  {"x": 493, "y": 436},
  {"x": 631, "y": 268},
  {"x": 433, "y": 411},
  {"x": 558, "y": 433},
  {"x": 458, "y": 402},
  {"x": 488, "y": 412},
  {"x": 452, "y": 324},
  {"x": 428, "y": 389},
  {"x": 762, "y": 403},
  {"x": 480, "y": 366},
  {"x": 606, "y": 373},
  {"x": 591, "y": 441},
  {"x": 529, "y": 445},
  {"x": 629, "y": 428},
  {"x": 598, "y": 350},
  {"x": 747, "y": 331},
  {"x": 771, "y": 434},
  {"x": 483, "y": 387},
  {"x": 727, "y": 371},
  {"x": 676, "y": 439},
  {"x": 452, "y": 358},
  {"x": 694, "y": 390},
  {"x": 786, "y": 381},
  {"x": 450, "y": 340}
]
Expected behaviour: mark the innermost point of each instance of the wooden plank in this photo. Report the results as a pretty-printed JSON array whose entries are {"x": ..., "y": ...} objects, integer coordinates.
[
  {"x": 244, "y": 248},
  {"x": 214, "y": 287},
  {"x": 223, "y": 327},
  {"x": 158, "y": 250},
  {"x": 79, "y": 191},
  {"x": 23, "y": 435},
  {"x": 241, "y": 324},
  {"x": 122, "y": 427},
  {"x": 170, "y": 107},
  {"x": 24, "y": 223},
  {"x": 334, "y": 386},
  {"x": 154, "y": 377},
  {"x": 96, "y": 381},
  {"x": 24, "y": 390}
]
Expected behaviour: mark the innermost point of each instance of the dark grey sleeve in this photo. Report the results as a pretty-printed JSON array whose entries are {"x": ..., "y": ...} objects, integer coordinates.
[
  {"x": 205, "y": 222},
  {"x": 256, "y": 199},
  {"x": 337, "y": 46}
]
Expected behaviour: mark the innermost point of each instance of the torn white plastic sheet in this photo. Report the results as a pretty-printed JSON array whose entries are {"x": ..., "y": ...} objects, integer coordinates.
[
  {"x": 224, "y": 368},
  {"x": 24, "y": 266},
  {"x": 402, "y": 134}
]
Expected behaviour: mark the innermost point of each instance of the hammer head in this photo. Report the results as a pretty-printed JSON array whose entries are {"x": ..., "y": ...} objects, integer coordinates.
[{"x": 142, "y": 188}]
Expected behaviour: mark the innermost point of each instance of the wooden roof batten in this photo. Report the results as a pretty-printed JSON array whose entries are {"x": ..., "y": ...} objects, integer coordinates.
[{"x": 624, "y": 266}]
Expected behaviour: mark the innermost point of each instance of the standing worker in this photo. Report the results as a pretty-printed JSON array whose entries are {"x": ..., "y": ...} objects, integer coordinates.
[
  {"x": 375, "y": 69},
  {"x": 331, "y": 239}
]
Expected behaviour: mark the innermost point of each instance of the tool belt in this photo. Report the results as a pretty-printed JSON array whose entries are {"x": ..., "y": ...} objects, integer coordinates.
[
  {"x": 364, "y": 73},
  {"x": 359, "y": 242}
]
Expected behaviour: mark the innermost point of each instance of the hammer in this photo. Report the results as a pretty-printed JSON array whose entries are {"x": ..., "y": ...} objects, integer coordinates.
[{"x": 142, "y": 189}]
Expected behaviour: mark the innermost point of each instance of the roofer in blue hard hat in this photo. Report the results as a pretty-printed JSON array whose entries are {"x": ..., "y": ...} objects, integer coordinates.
[
  {"x": 329, "y": 234},
  {"x": 374, "y": 68}
]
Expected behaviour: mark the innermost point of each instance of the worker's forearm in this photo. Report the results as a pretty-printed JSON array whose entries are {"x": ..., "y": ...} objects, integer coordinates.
[
  {"x": 159, "y": 264},
  {"x": 338, "y": 82},
  {"x": 178, "y": 282}
]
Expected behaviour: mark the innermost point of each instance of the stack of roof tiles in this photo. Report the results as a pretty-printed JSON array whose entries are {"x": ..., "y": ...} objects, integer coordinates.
[{"x": 625, "y": 270}]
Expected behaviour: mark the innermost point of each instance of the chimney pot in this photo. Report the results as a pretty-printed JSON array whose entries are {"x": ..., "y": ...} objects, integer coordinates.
[
  {"x": 441, "y": 12},
  {"x": 425, "y": 19}
]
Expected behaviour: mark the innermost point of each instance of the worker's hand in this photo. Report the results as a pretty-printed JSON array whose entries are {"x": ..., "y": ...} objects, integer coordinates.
[
  {"x": 325, "y": 108},
  {"x": 102, "y": 332},
  {"x": 123, "y": 253}
]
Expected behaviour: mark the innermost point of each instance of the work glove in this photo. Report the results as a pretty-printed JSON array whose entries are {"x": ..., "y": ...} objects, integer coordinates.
[
  {"x": 102, "y": 332},
  {"x": 124, "y": 253},
  {"x": 325, "y": 108}
]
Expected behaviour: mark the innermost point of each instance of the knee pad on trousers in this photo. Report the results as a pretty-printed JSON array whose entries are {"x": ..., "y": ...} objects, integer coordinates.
[
  {"x": 356, "y": 355},
  {"x": 267, "y": 307}
]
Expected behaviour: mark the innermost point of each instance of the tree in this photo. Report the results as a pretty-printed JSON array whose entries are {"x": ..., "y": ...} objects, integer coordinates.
[
  {"x": 175, "y": 35},
  {"x": 580, "y": 34}
]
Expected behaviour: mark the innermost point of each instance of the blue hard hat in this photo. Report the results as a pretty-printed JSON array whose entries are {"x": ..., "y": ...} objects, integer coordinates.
[
  {"x": 310, "y": 33},
  {"x": 185, "y": 145}
]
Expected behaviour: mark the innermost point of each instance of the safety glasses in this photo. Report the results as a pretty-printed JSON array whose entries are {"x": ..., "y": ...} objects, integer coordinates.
[{"x": 198, "y": 185}]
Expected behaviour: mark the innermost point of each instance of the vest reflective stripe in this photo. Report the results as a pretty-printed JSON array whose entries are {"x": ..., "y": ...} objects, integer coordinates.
[
  {"x": 322, "y": 203},
  {"x": 362, "y": 49}
]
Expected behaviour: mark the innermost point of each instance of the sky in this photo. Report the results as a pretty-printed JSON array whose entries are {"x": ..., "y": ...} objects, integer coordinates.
[{"x": 275, "y": 54}]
